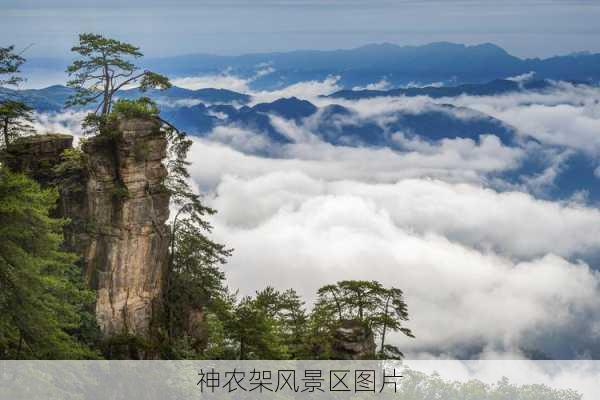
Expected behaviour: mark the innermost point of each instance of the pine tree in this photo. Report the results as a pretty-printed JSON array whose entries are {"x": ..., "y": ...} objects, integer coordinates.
[
  {"x": 392, "y": 312},
  {"x": 379, "y": 309},
  {"x": 15, "y": 116},
  {"x": 10, "y": 62},
  {"x": 15, "y": 120},
  {"x": 104, "y": 68},
  {"x": 43, "y": 305},
  {"x": 194, "y": 279}
]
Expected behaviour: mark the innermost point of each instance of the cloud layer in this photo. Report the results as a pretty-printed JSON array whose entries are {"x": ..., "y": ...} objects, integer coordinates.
[
  {"x": 487, "y": 270},
  {"x": 433, "y": 239}
]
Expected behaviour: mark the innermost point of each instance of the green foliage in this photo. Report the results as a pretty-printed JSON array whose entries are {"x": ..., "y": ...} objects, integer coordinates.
[
  {"x": 219, "y": 345},
  {"x": 293, "y": 319},
  {"x": 15, "y": 116},
  {"x": 320, "y": 328},
  {"x": 275, "y": 325},
  {"x": 417, "y": 385},
  {"x": 255, "y": 327},
  {"x": 139, "y": 108},
  {"x": 126, "y": 347},
  {"x": 194, "y": 278},
  {"x": 70, "y": 170},
  {"x": 105, "y": 66},
  {"x": 10, "y": 62},
  {"x": 15, "y": 121},
  {"x": 93, "y": 124},
  {"x": 106, "y": 125},
  {"x": 44, "y": 309},
  {"x": 119, "y": 192},
  {"x": 270, "y": 325},
  {"x": 380, "y": 309}
]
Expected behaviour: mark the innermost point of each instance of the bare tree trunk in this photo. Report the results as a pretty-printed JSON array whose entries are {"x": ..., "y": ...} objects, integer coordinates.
[
  {"x": 242, "y": 349},
  {"x": 360, "y": 308},
  {"x": 5, "y": 131},
  {"x": 385, "y": 314},
  {"x": 170, "y": 271},
  {"x": 106, "y": 97},
  {"x": 337, "y": 304},
  {"x": 20, "y": 345}
]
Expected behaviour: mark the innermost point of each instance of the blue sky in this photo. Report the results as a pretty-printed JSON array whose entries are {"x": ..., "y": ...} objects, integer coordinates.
[{"x": 537, "y": 28}]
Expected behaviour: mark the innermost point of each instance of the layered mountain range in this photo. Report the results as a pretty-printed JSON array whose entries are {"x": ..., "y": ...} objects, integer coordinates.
[
  {"x": 333, "y": 119},
  {"x": 399, "y": 65}
]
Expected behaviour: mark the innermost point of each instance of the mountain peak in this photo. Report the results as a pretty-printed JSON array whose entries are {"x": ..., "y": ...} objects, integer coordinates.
[
  {"x": 490, "y": 48},
  {"x": 379, "y": 46}
]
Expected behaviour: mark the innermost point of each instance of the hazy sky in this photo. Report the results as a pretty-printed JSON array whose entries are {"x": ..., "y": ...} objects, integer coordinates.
[{"x": 524, "y": 28}]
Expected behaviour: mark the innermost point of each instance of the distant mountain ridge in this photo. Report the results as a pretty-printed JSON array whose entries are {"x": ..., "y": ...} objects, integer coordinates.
[
  {"x": 493, "y": 88},
  {"x": 213, "y": 112},
  {"x": 446, "y": 62},
  {"x": 53, "y": 98},
  {"x": 435, "y": 62}
]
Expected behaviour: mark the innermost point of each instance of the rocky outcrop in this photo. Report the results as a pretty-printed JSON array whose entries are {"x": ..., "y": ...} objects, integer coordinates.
[
  {"x": 126, "y": 243},
  {"x": 37, "y": 155},
  {"x": 353, "y": 340},
  {"x": 118, "y": 211}
]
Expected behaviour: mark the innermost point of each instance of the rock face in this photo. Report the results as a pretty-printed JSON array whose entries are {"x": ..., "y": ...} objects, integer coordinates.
[
  {"x": 353, "y": 341},
  {"x": 118, "y": 211},
  {"x": 37, "y": 155},
  {"x": 126, "y": 242}
]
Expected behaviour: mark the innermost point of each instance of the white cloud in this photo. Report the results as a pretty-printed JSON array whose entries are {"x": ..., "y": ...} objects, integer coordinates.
[
  {"x": 383, "y": 84},
  {"x": 162, "y": 102},
  {"x": 421, "y": 85},
  {"x": 68, "y": 122},
  {"x": 482, "y": 270},
  {"x": 566, "y": 115},
  {"x": 241, "y": 139},
  {"x": 523, "y": 77},
  {"x": 309, "y": 90},
  {"x": 301, "y": 232},
  {"x": 218, "y": 81},
  {"x": 459, "y": 160},
  {"x": 227, "y": 80},
  {"x": 224, "y": 80},
  {"x": 472, "y": 215}
]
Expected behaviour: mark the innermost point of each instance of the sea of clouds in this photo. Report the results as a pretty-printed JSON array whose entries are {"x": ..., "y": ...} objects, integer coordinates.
[{"x": 487, "y": 267}]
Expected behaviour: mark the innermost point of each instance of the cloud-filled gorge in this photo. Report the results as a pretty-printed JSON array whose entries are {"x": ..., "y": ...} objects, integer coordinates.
[{"x": 493, "y": 235}]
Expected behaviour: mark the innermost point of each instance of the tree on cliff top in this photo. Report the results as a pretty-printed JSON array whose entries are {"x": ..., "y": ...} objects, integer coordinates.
[
  {"x": 378, "y": 308},
  {"x": 10, "y": 62},
  {"x": 15, "y": 116},
  {"x": 105, "y": 68},
  {"x": 15, "y": 120}
]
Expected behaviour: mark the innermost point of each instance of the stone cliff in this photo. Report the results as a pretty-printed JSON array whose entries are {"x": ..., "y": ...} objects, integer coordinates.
[
  {"x": 128, "y": 206},
  {"x": 118, "y": 211},
  {"x": 353, "y": 341}
]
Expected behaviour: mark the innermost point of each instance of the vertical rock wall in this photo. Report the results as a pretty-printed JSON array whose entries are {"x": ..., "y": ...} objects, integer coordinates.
[
  {"x": 127, "y": 207},
  {"x": 118, "y": 215}
]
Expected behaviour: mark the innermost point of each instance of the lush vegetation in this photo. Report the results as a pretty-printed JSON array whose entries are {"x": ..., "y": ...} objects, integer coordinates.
[
  {"x": 103, "y": 68},
  {"x": 15, "y": 116},
  {"x": 417, "y": 385},
  {"x": 45, "y": 310}
]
